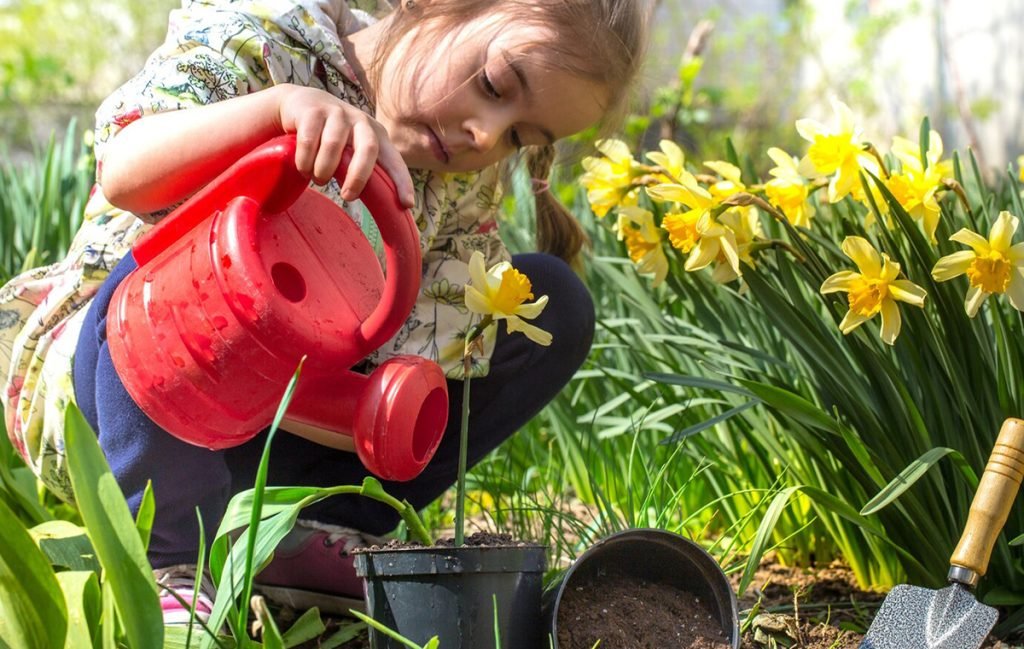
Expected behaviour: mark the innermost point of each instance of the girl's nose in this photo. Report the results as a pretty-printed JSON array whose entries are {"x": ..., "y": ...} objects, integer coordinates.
[{"x": 484, "y": 132}]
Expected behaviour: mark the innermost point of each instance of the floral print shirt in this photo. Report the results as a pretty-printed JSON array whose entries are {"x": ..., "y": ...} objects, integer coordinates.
[{"x": 216, "y": 50}]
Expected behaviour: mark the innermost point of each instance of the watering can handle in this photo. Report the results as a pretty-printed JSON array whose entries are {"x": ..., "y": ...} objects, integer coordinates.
[{"x": 268, "y": 176}]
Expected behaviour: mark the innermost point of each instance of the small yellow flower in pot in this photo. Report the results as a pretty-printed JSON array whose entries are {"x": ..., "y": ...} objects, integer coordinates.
[
  {"x": 873, "y": 290},
  {"x": 992, "y": 265},
  {"x": 502, "y": 293}
]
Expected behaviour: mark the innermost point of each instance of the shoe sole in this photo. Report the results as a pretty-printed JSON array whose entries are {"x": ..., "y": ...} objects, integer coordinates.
[{"x": 302, "y": 600}]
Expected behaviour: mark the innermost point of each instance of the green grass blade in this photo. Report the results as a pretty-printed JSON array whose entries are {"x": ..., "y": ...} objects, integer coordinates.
[
  {"x": 764, "y": 534},
  {"x": 144, "y": 518},
  {"x": 704, "y": 425},
  {"x": 258, "y": 489}
]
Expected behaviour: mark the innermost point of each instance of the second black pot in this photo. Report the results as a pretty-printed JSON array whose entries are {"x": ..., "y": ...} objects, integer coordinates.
[
  {"x": 654, "y": 555},
  {"x": 450, "y": 593}
]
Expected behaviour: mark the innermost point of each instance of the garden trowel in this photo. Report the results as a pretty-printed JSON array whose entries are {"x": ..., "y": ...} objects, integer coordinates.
[{"x": 951, "y": 618}]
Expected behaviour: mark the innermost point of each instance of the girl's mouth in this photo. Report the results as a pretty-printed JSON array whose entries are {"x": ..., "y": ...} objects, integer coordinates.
[{"x": 437, "y": 147}]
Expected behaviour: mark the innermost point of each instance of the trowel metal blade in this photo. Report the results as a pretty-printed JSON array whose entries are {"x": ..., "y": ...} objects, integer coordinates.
[{"x": 922, "y": 618}]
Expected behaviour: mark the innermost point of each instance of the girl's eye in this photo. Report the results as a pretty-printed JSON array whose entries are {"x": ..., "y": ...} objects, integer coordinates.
[{"x": 488, "y": 86}]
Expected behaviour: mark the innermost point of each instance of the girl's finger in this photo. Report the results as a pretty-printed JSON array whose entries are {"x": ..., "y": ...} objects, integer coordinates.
[
  {"x": 365, "y": 147},
  {"x": 333, "y": 139},
  {"x": 307, "y": 141}
]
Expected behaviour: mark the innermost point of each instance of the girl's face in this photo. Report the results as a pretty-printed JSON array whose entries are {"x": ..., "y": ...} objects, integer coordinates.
[{"x": 472, "y": 96}]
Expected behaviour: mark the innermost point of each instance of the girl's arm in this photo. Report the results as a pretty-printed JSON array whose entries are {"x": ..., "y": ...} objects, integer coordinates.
[{"x": 142, "y": 166}]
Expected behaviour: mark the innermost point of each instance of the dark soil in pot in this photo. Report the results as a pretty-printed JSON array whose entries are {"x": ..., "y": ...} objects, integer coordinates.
[
  {"x": 479, "y": 539},
  {"x": 627, "y": 612}
]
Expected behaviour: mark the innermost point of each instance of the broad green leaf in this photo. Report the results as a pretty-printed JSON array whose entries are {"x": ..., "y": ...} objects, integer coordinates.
[
  {"x": 82, "y": 597},
  {"x": 275, "y": 500},
  {"x": 32, "y": 609},
  {"x": 66, "y": 544},
  {"x": 17, "y": 484},
  {"x": 1003, "y": 597},
  {"x": 234, "y": 575},
  {"x": 908, "y": 476},
  {"x": 114, "y": 535},
  {"x": 308, "y": 627}
]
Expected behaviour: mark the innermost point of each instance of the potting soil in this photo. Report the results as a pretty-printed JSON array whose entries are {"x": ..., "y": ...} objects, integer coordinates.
[{"x": 625, "y": 612}]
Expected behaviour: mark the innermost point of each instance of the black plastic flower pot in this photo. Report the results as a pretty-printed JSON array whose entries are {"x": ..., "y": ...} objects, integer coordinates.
[
  {"x": 653, "y": 555},
  {"x": 450, "y": 592}
]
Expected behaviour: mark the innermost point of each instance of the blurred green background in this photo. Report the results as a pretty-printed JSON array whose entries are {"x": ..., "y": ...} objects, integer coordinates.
[{"x": 765, "y": 64}]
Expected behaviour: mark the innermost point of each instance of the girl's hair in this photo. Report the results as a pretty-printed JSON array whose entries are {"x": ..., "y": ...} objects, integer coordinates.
[{"x": 598, "y": 40}]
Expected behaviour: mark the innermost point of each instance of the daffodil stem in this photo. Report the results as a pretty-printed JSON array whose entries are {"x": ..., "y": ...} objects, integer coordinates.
[
  {"x": 460, "y": 502},
  {"x": 958, "y": 189},
  {"x": 467, "y": 369},
  {"x": 870, "y": 148}
]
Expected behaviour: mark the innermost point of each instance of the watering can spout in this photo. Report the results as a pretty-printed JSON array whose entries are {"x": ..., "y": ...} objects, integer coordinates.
[{"x": 255, "y": 272}]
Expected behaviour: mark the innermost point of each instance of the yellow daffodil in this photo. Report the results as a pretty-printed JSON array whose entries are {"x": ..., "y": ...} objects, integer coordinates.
[
  {"x": 730, "y": 182},
  {"x": 672, "y": 160},
  {"x": 716, "y": 242},
  {"x": 643, "y": 242},
  {"x": 689, "y": 194},
  {"x": 992, "y": 265},
  {"x": 609, "y": 177},
  {"x": 915, "y": 186},
  {"x": 1020, "y": 168},
  {"x": 745, "y": 225},
  {"x": 682, "y": 229},
  {"x": 682, "y": 225},
  {"x": 788, "y": 190},
  {"x": 835, "y": 151},
  {"x": 694, "y": 231},
  {"x": 502, "y": 293},
  {"x": 875, "y": 289}
]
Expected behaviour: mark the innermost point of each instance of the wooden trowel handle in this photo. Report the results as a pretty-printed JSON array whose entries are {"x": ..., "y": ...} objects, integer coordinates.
[{"x": 991, "y": 505}]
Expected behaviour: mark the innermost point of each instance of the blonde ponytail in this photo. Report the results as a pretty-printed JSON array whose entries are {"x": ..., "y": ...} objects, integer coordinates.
[{"x": 558, "y": 231}]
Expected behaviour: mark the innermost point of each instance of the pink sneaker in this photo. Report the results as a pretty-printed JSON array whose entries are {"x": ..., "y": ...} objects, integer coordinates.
[
  {"x": 180, "y": 580},
  {"x": 312, "y": 567}
]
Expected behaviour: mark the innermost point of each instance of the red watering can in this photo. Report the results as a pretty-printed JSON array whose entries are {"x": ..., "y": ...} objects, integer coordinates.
[{"x": 256, "y": 271}]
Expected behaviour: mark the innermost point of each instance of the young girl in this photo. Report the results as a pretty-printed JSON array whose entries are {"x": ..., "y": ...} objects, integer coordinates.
[{"x": 438, "y": 92}]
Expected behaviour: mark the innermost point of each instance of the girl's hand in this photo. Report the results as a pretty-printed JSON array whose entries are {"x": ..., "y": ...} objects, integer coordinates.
[{"x": 324, "y": 126}]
